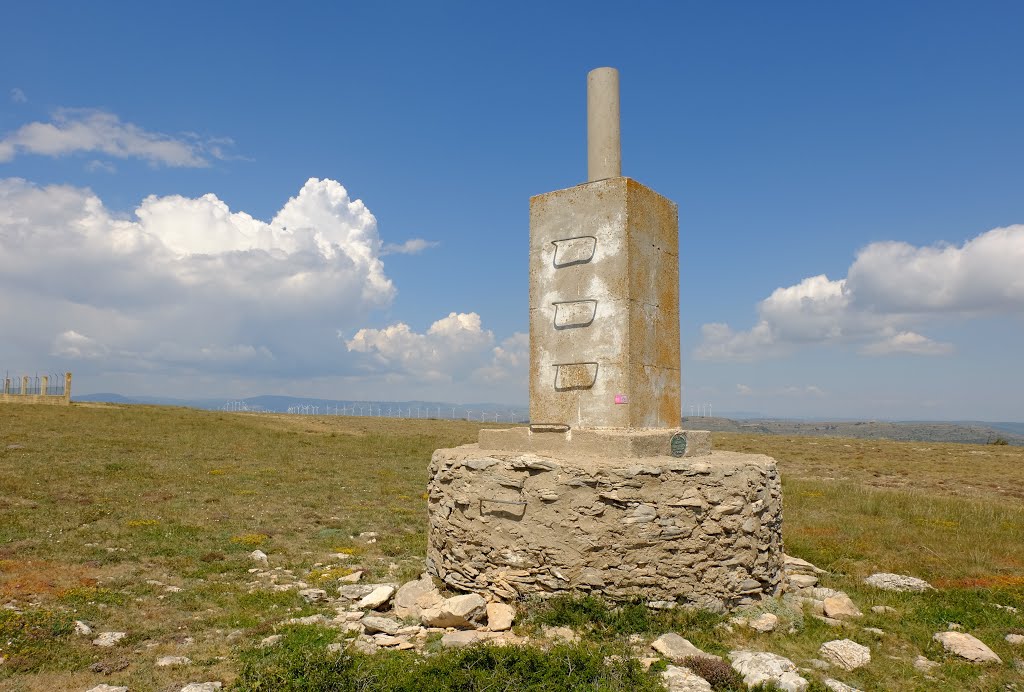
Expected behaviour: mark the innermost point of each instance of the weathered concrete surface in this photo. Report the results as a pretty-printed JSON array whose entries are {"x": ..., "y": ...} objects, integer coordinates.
[
  {"x": 595, "y": 442},
  {"x": 604, "y": 144},
  {"x": 604, "y": 307},
  {"x": 701, "y": 530}
]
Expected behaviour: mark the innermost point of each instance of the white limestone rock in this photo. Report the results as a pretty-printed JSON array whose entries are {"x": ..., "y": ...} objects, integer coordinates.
[
  {"x": 416, "y": 596},
  {"x": 313, "y": 595},
  {"x": 1015, "y": 639},
  {"x": 802, "y": 581},
  {"x": 377, "y": 598},
  {"x": 967, "y": 646},
  {"x": 202, "y": 687},
  {"x": 351, "y": 578},
  {"x": 676, "y": 648},
  {"x": 841, "y": 607},
  {"x": 346, "y": 615},
  {"x": 107, "y": 639},
  {"x": 82, "y": 629},
  {"x": 260, "y": 558},
  {"x": 823, "y": 592},
  {"x": 165, "y": 661},
  {"x": 565, "y": 634},
  {"x": 897, "y": 582},
  {"x": 766, "y": 622},
  {"x": 374, "y": 624},
  {"x": 458, "y": 611},
  {"x": 760, "y": 666},
  {"x": 466, "y": 638},
  {"x": 500, "y": 616},
  {"x": 837, "y": 686},
  {"x": 797, "y": 566},
  {"x": 270, "y": 641},
  {"x": 845, "y": 653},
  {"x": 679, "y": 679},
  {"x": 883, "y": 610},
  {"x": 107, "y": 688},
  {"x": 353, "y": 592}
]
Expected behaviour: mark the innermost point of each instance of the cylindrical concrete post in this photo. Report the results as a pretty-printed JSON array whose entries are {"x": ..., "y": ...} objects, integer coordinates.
[
  {"x": 44, "y": 385},
  {"x": 604, "y": 150},
  {"x": 67, "y": 387},
  {"x": 24, "y": 384}
]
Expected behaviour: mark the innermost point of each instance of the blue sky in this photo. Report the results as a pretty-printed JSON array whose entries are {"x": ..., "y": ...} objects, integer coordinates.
[{"x": 876, "y": 144}]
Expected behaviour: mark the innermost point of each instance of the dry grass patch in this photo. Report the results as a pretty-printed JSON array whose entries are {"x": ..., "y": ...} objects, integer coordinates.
[{"x": 989, "y": 472}]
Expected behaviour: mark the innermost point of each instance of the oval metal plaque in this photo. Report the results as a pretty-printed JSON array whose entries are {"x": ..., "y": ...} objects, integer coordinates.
[{"x": 678, "y": 444}]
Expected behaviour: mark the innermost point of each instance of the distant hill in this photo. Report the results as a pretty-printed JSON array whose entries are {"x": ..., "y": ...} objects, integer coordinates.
[
  {"x": 1015, "y": 428},
  {"x": 971, "y": 432},
  {"x": 271, "y": 403}
]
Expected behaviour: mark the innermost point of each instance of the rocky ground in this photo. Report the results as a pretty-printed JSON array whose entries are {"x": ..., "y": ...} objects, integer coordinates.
[{"x": 416, "y": 616}]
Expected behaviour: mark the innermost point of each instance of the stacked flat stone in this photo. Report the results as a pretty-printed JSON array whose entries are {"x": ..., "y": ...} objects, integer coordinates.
[{"x": 700, "y": 530}]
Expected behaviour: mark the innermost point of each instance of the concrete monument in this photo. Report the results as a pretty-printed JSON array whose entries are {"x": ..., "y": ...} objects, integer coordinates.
[{"x": 602, "y": 491}]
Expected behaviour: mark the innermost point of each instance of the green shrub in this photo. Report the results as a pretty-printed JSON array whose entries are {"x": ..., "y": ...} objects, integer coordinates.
[
  {"x": 599, "y": 619},
  {"x": 301, "y": 662}
]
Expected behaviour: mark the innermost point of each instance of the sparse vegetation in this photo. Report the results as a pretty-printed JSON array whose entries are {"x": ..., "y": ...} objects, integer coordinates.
[
  {"x": 717, "y": 672},
  {"x": 103, "y": 507},
  {"x": 301, "y": 662}
]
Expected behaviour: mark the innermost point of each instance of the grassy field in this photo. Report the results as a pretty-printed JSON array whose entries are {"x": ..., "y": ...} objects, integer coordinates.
[
  {"x": 907, "y": 431},
  {"x": 140, "y": 519}
]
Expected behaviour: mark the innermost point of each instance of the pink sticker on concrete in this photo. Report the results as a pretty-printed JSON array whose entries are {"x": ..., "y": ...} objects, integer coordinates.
[{"x": 621, "y": 399}]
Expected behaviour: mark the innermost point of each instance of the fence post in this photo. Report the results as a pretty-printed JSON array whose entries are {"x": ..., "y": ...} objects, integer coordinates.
[
  {"x": 24, "y": 385},
  {"x": 67, "y": 387},
  {"x": 7, "y": 386},
  {"x": 44, "y": 385}
]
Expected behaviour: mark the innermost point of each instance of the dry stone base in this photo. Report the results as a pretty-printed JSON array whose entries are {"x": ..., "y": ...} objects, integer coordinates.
[{"x": 705, "y": 530}]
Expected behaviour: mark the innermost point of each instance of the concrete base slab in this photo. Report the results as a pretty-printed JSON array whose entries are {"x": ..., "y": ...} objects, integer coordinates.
[
  {"x": 704, "y": 531},
  {"x": 599, "y": 442}
]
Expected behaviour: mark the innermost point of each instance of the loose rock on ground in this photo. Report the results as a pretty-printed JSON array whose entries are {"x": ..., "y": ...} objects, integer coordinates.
[
  {"x": 679, "y": 679},
  {"x": 846, "y": 653},
  {"x": 760, "y": 666},
  {"x": 109, "y": 638},
  {"x": 897, "y": 582},
  {"x": 676, "y": 648},
  {"x": 967, "y": 646}
]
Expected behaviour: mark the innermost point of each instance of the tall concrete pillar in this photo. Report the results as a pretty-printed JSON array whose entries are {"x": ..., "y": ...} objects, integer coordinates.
[
  {"x": 24, "y": 385},
  {"x": 44, "y": 385},
  {"x": 604, "y": 148},
  {"x": 67, "y": 387}
]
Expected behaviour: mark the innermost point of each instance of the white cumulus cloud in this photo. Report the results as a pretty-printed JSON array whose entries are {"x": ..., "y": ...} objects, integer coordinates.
[
  {"x": 890, "y": 290},
  {"x": 76, "y": 130},
  {"x": 456, "y": 347},
  {"x": 413, "y": 246},
  {"x": 185, "y": 285},
  {"x": 907, "y": 342}
]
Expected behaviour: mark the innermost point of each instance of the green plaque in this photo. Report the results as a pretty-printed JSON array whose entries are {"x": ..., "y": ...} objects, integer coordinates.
[{"x": 678, "y": 444}]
